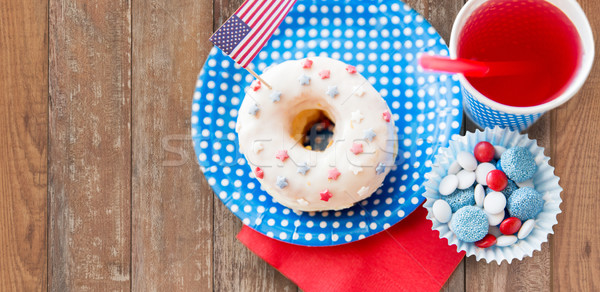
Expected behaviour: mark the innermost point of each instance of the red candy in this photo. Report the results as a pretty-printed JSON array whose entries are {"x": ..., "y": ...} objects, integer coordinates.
[
  {"x": 255, "y": 85},
  {"x": 487, "y": 241},
  {"x": 496, "y": 180},
  {"x": 307, "y": 64},
  {"x": 351, "y": 69},
  {"x": 324, "y": 74},
  {"x": 357, "y": 148},
  {"x": 325, "y": 195},
  {"x": 333, "y": 174},
  {"x": 386, "y": 116},
  {"x": 259, "y": 172},
  {"x": 484, "y": 151},
  {"x": 282, "y": 155},
  {"x": 510, "y": 225}
]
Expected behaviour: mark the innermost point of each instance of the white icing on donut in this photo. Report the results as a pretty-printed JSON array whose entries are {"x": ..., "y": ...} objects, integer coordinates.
[{"x": 363, "y": 145}]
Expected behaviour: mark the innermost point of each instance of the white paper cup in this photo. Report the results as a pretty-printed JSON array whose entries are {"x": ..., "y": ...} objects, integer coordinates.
[
  {"x": 544, "y": 182},
  {"x": 488, "y": 113}
]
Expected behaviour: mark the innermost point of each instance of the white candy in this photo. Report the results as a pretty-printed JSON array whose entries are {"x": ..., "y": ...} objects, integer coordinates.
[
  {"x": 526, "y": 228},
  {"x": 498, "y": 150},
  {"x": 527, "y": 183},
  {"x": 479, "y": 195},
  {"x": 454, "y": 168},
  {"x": 506, "y": 240},
  {"x": 495, "y": 219},
  {"x": 442, "y": 211},
  {"x": 482, "y": 171},
  {"x": 494, "y": 202},
  {"x": 448, "y": 185},
  {"x": 467, "y": 161},
  {"x": 465, "y": 179}
]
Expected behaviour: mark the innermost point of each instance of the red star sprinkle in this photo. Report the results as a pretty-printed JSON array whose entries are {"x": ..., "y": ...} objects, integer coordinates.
[
  {"x": 325, "y": 195},
  {"x": 259, "y": 172},
  {"x": 333, "y": 174},
  {"x": 356, "y": 148},
  {"x": 351, "y": 69},
  {"x": 387, "y": 116},
  {"x": 282, "y": 155},
  {"x": 307, "y": 64},
  {"x": 324, "y": 74},
  {"x": 255, "y": 85}
]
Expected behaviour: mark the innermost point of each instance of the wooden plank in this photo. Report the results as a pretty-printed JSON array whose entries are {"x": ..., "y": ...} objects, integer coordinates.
[
  {"x": 89, "y": 145},
  {"x": 531, "y": 274},
  {"x": 235, "y": 267},
  {"x": 172, "y": 204},
  {"x": 23, "y": 145},
  {"x": 576, "y": 140}
]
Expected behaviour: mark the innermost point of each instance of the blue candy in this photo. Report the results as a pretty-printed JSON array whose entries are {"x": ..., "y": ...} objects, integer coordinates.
[
  {"x": 460, "y": 198},
  {"x": 518, "y": 164},
  {"x": 499, "y": 165},
  {"x": 469, "y": 223},
  {"x": 510, "y": 188},
  {"x": 525, "y": 203}
]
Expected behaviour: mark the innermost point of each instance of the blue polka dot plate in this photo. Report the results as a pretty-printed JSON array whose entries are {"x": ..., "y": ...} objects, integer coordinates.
[{"x": 382, "y": 39}]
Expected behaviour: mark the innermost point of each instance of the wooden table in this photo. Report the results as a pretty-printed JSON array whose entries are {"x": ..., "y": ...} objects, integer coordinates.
[{"x": 100, "y": 189}]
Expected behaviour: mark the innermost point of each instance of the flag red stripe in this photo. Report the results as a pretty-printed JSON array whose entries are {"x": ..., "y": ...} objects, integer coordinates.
[
  {"x": 243, "y": 9},
  {"x": 253, "y": 21},
  {"x": 253, "y": 14},
  {"x": 250, "y": 40},
  {"x": 266, "y": 36}
]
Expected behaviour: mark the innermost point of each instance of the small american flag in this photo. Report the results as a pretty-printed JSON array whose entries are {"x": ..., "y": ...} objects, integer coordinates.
[{"x": 250, "y": 27}]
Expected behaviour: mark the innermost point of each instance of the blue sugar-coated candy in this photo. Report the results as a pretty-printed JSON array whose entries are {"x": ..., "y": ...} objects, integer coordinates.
[
  {"x": 518, "y": 164},
  {"x": 525, "y": 203},
  {"x": 469, "y": 223},
  {"x": 510, "y": 188},
  {"x": 460, "y": 198}
]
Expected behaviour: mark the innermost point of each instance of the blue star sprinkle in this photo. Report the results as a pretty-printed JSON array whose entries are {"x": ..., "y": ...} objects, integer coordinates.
[
  {"x": 281, "y": 182},
  {"x": 370, "y": 134},
  {"x": 253, "y": 109},
  {"x": 303, "y": 168},
  {"x": 380, "y": 168},
  {"x": 276, "y": 96},
  {"x": 304, "y": 80},
  {"x": 332, "y": 91}
]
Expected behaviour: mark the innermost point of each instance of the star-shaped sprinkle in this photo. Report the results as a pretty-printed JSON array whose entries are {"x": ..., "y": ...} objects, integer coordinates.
[
  {"x": 276, "y": 96},
  {"x": 333, "y": 174},
  {"x": 350, "y": 69},
  {"x": 386, "y": 116},
  {"x": 363, "y": 191},
  {"x": 356, "y": 148},
  {"x": 304, "y": 80},
  {"x": 355, "y": 169},
  {"x": 259, "y": 172},
  {"x": 255, "y": 85},
  {"x": 258, "y": 147},
  {"x": 369, "y": 134},
  {"x": 281, "y": 182},
  {"x": 325, "y": 195},
  {"x": 357, "y": 116},
  {"x": 358, "y": 91},
  {"x": 325, "y": 74},
  {"x": 253, "y": 109},
  {"x": 303, "y": 168},
  {"x": 302, "y": 202},
  {"x": 332, "y": 91},
  {"x": 282, "y": 155},
  {"x": 380, "y": 168},
  {"x": 307, "y": 64}
]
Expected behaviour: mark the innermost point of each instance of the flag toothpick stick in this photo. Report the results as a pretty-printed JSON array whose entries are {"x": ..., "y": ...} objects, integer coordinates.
[{"x": 258, "y": 77}]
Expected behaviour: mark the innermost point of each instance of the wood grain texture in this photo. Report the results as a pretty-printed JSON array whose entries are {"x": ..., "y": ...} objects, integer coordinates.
[
  {"x": 235, "y": 267},
  {"x": 172, "y": 202},
  {"x": 576, "y": 140},
  {"x": 23, "y": 145},
  {"x": 89, "y": 145}
]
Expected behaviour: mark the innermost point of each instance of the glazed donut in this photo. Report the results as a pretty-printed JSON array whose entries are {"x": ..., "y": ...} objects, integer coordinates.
[{"x": 272, "y": 123}]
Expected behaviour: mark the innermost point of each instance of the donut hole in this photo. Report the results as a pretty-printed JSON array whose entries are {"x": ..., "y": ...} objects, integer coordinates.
[{"x": 313, "y": 128}]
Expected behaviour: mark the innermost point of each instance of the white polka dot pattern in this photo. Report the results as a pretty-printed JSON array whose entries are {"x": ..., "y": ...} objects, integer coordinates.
[
  {"x": 384, "y": 48},
  {"x": 486, "y": 117}
]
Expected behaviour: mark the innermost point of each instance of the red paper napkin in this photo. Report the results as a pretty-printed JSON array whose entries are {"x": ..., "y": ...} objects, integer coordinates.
[{"x": 408, "y": 256}]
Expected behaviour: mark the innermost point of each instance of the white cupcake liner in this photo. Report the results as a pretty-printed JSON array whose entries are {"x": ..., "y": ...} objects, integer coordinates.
[{"x": 544, "y": 181}]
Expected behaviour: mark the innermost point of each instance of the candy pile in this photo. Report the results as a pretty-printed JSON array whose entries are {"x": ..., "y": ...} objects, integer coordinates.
[{"x": 488, "y": 196}]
